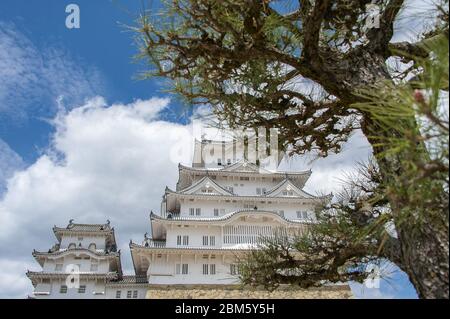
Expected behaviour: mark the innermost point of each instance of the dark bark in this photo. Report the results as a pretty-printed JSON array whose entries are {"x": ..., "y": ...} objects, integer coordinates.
[{"x": 423, "y": 251}]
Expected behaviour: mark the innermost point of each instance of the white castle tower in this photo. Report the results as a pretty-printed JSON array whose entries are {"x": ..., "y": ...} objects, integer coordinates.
[
  {"x": 83, "y": 264},
  {"x": 222, "y": 206}
]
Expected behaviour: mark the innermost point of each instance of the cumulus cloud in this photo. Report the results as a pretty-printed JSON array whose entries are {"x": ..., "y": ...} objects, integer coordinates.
[
  {"x": 33, "y": 76},
  {"x": 104, "y": 162},
  {"x": 10, "y": 162}
]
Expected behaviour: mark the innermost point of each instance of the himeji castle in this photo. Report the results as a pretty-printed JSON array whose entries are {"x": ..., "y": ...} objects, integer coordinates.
[
  {"x": 83, "y": 264},
  {"x": 223, "y": 205}
]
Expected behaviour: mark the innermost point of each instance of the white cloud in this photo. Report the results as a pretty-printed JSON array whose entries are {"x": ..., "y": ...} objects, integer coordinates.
[
  {"x": 105, "y": 162},
  {"x": 33, "y": 76},
  {"x": 415, "y": 17},
  {"x": 10, "y": 161},
  {"x": 329, "y": 173}
]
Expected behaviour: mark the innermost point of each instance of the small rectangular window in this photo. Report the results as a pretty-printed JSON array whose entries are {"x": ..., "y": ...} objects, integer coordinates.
[
  {"x": 185, "y": 240},
  {"x": 135, "y": 294},
  {"x": 244, "y": 178},
  {"x": 179, "y": 240},
  {"x": 212, "y": 240},
  {"x": 63, "y": 289},
  {"x": 263, "y": 190},
  {"x": 129, "y": 292},
  {"x": 212, "y": 269},
  {"x": 178, "y": 269},
  {"x": 118, "y": 294},
  {"x": 299, "y": 214},
  {"x": 191, "y": 211},
  {"x": 185, "y": 269},
  {"x": 198, "y": 211},
  {"x": 82, "y": 289},
  {"x": 305, "y": 214},
  {"x": 216, "y": 212},
  {"x": 205, "y": 269},
  {"x": 205, "y": 240},
  {"x": 234, "y": 269}
]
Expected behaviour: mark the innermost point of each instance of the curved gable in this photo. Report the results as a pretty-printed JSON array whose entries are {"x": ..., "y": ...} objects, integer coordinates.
[
  {"x": 287, "y": 189},
  {"x": 206, "y": 186}
]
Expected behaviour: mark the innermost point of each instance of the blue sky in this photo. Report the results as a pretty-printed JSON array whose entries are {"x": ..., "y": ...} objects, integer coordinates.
[
  {"x": 47, "y": 72},
  {"x": 102, "y": 45}
]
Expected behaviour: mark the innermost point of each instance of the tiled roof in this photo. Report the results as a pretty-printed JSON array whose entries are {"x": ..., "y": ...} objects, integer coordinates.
[
  {"x": 85, "y": 227},
  {"x": 104, "y": 229},
  {"x": 231, "y": 248},
  {"x": 207, "y": 179},
  {"x": 129, "y": 280},
  {"x": 287, "y": 181},
  {"x": 220, "y": 170},
  {"x": 60, "y": 252},
  {"x": 34, "y": 275},
  {"x": 227, "y": 216},
  {"x": 255, "y": 197}
]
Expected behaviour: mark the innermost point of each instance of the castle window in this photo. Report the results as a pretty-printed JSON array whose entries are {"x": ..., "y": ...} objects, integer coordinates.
[
  {"x": 63, "y": 289},
  {"x": 191, "y": 211},
  {"x": 216, "y": 212},
  {"x": 212, "y": 269},
  {"x": 118, "y": 294},
  {"x": 179, "y": 240},
  {"x": 82, "y": 289},
  {"x": 92, "y": 246},
  {"x": 198, "y": 211},
  {"x": 129, "y": 292},
  {"x": 205, "y": 240},
  {"x": 185, "y": 240},
  {"x": 212, "y": 240},
  {"x": 205, "y": 269},
  {"x": 135, "y": 294},
  {"x": 234, "y": 269},
  {"x": 181, "y": 269}
]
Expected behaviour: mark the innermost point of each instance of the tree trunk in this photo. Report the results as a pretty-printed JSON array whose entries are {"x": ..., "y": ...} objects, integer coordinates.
[
  {"x": 424, "y": 249},
  {"x": 423, "y": 235}
]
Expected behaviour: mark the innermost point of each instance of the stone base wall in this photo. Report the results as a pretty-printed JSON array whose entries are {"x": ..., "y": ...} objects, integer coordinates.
[{"x": 238, "y": 292}]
